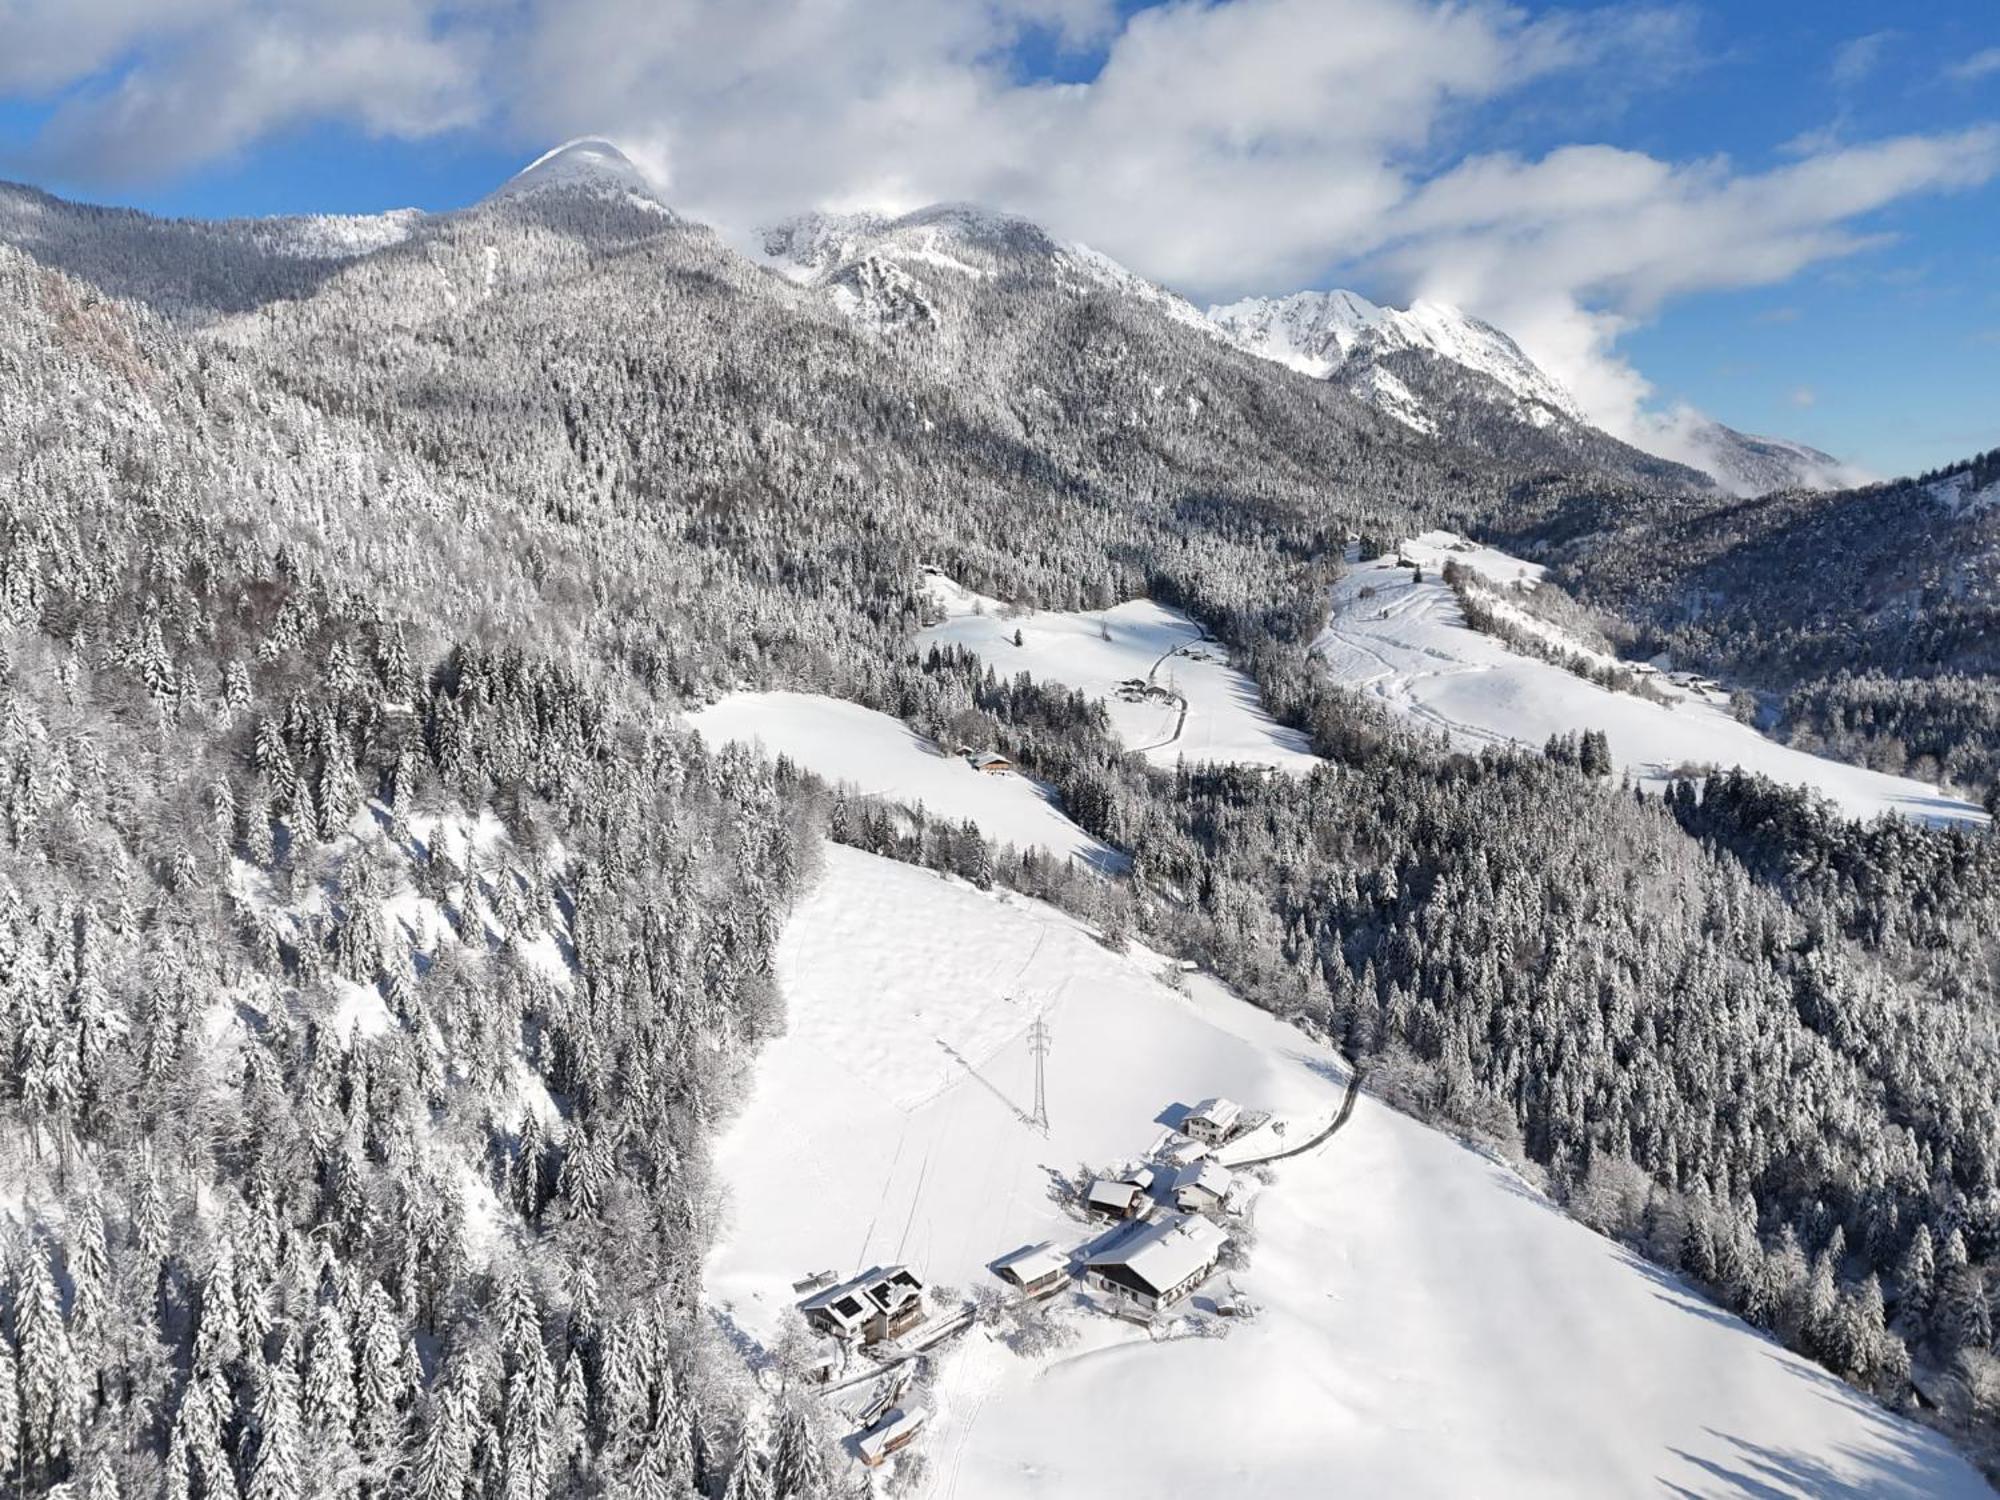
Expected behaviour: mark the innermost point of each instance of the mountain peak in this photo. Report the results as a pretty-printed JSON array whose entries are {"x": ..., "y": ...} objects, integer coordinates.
[
  {"x": 1319, "y": 333},
  {"x": 588, "y": 164}
]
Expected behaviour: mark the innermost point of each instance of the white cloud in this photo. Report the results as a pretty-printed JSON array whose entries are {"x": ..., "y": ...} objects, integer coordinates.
[
  {"x": 1856, "y": 59},
  {"x": 1567, "y": 252},
  {"x": 156, "y": 89},
  {"x": 1979, "y": 65},
  {"x": 1256, "y": 145}
]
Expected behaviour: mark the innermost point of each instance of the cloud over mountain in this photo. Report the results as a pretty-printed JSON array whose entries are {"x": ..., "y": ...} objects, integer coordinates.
[{"x": 1224, "y": 149}]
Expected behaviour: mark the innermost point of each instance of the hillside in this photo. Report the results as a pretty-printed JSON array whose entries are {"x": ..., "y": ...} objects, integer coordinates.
[
  {"x": 395, "y": 910},
  {"x": 1426, "y": 1322},
  {"x": 1442, "y": 372},
  {"x": 1165, "y": 682},
  {"x": 1815, "y": 596},
  {"x": 1408, "y": 644}
]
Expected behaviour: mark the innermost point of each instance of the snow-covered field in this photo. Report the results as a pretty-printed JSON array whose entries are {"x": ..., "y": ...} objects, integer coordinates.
[
  {"x": 1427, "y": 1325},
  {"x": 881, "y": 757},
  {"x": 1408, "y": 644},
  {"x": 1097, "y": 651}
]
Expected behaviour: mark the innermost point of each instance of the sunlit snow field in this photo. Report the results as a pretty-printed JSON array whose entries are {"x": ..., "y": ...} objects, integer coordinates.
[
  {"x": 1408, "y": 645},
  {"x": 1429, "y": 1326}
]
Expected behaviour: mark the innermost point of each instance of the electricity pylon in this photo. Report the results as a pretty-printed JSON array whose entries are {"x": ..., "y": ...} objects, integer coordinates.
[{"x": 1038, "y": 1043}]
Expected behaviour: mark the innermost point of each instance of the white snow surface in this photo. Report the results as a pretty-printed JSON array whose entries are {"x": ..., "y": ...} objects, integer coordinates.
[
  {"x": 1408, "y": 644},
  {"x": 330, "y": 236},
  {"x": 1956, "y": 494},
  {"x": 1317, "y": 333},
  {"x": 1428, "y": 1325},
  {"x": 1094, "y": 651},
  {"x": 961, "y": 238},
  {"x": 590, "y": 164},
  {"x": 880, "y": 756}
]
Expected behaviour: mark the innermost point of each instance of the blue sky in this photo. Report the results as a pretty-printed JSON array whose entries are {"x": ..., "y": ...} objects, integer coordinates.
[
  {"x": 1897, "y": 350},
  {"x": 1248, "y": 146}
]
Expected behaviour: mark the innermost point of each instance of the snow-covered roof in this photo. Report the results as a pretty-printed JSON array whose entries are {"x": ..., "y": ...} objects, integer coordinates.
[
  {"x": 1139, "y": 1177},
  {"x": 1028, "y": 1266},
  {"x": 878, "y": 1289},
  {"x": 1222, "y": 1113},
  {"x": 990, "y": 758},
  {"x": 1164, "y": 1254},
  {"x": 1210, "y": 1175},
  {"x": 898, "y": 1423},
  {"x": 1173, "y": 1148},
  {"x": 1105, "y": 1193}
]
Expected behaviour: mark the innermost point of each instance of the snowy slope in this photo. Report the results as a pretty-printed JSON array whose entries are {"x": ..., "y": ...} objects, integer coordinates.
[
  {"x": 586, "y": 164},
  {"x": 963, "y": 241},
  {"x": 1320, "y": 332},
  {"x": 1748, "y": 464},
  {"x": 881, "y": 757},
  {"x": 1428, "y": 1325},
  {"x": 1407, "y": 644},
  {"x": 1098, "y": 650},
  {"x": 1340, "y": 336}
]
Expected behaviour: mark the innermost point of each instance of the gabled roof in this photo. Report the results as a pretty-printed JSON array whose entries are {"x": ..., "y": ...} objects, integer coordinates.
[
  {"x": 1209, "y": 1175},
  {"x": 991, "y": 758},
  {"x": 1106, "y": 1192},
  {"x": 878, "y": 1289},
  {"x": 1219, "y": 1112},
  {"x": 1173, "y": 1148},
  {"x": 896, "y": 1424},
  {"x": 1162, "y": 1255},
  {"x": 1030, "y": 1265}
]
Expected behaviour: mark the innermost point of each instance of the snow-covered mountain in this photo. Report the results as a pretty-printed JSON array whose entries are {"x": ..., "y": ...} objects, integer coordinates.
[
  {"x": 867, "y": 260},
  {"x": 1325, "y": 334},
  {"x": 1751, "y": 465},
  {"x": 1411, "y": 364},
  {"x": 432, "y": 1040},
  {"x": 588, "y": 164}
]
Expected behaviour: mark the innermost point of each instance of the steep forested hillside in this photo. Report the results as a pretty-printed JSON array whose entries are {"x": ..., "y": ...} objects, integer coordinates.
[
  {"x": 379, "y": 949},
  {"x": 1877, "y": 610}
]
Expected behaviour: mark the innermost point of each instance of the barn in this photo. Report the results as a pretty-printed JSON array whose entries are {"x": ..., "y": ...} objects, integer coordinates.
[{"x": 896, "y": 1430}]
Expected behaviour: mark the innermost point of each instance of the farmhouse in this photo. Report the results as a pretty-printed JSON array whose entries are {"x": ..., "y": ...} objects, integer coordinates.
[
  {"x": 1201, "y": 1186},
  {"x": 1115, "y": 1200},
  {"x": 991, "y": 763},
  {"x": 1036, "y": 1272},
  {"x": 896, "y": 1430},
  {"x": 883, "y": 1302},
  {"x": 1159, "y": 1264},
  {"x": 1213, "y": 1121}
]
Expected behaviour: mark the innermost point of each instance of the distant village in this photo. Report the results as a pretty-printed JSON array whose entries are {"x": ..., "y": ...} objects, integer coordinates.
[{"x": 1158, "y": 1229}]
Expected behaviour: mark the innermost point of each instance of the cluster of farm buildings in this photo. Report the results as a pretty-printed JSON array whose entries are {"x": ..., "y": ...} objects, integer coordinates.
[{"x": 1162, "y": 1236}]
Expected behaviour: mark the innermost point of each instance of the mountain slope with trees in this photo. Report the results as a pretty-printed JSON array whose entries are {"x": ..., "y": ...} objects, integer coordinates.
[{"x": 381, "y": 950}]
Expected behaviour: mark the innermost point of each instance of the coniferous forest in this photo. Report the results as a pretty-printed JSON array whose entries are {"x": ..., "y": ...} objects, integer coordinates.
[{"x": 379, "y": 951}]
